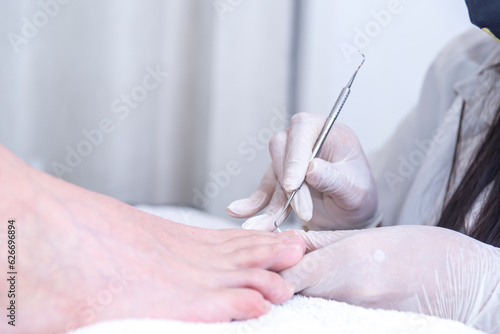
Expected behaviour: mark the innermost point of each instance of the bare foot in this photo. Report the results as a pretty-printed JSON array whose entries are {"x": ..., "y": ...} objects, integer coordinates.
[{"x": 83, "y": 257}]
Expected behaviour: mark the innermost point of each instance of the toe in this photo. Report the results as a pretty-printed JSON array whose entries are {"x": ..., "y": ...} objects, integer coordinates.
[
  {"x": 276, "y": 256},
  {"x": 269, "y": 284},
  {"x": 243, "y": 242},
  {"x": 238, "y": 304}
]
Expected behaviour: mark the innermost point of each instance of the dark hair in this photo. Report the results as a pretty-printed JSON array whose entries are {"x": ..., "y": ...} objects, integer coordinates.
[{"x": 483, "y": 171}]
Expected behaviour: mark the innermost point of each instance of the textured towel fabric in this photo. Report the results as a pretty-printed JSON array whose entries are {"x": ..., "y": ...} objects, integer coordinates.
[{"x": 299, "y": 315}]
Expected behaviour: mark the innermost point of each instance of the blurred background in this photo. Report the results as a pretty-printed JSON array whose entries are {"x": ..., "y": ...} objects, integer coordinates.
[{"x": 174, "y": 101}]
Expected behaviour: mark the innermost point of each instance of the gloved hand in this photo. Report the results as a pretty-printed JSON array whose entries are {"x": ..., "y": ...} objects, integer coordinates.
[
  {"x": 423, "y": 269},
  {"x": 339, "y": 192}
]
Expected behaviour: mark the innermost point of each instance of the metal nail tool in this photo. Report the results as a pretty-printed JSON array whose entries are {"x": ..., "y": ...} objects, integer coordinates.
[{"x": 337, "y": 107}]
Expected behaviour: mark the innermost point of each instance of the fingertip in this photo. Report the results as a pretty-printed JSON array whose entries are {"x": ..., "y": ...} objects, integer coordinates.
[
  {"x": 262, "y": 223},
  {"x": 243, "y": 207},
  {"x": 303, "y": 204},
  {"x": 245, "y": 226},
  {"x": 233, "y": 209},
  {"x": 290, "y": 182}
]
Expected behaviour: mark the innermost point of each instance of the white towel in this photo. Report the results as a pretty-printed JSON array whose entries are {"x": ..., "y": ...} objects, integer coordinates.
[{"x": 299, "y": 315}]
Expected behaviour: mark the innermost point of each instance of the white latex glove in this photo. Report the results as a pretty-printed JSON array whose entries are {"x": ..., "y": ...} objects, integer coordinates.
[
  {"x": 423, "y": 269},
  {"x": 339, "y": 192}
]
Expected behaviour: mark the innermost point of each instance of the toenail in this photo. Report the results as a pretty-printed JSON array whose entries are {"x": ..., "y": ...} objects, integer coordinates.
[
  {"x": 267, "y": 306},
  {"x": 291, "y": 287},
  {"x": 289, "y": 233},
  {"x": 291, "y": 239}
]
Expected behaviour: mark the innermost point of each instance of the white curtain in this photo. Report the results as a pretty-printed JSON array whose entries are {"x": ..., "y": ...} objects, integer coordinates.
[
  {"x": 78, "y": 98},
  {"x": 174, "y": 101}
]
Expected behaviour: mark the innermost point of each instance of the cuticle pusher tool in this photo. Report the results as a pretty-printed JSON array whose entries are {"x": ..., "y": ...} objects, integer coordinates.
[{"x": 337, "y": 107}]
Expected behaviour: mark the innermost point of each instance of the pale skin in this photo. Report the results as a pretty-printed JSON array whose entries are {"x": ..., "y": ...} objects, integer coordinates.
[{"x": 83, "y": 258}]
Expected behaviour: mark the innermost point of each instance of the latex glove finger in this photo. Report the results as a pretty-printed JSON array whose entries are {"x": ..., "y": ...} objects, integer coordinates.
[
  {"x": 316, "y": 240},
  {"x": 334, "y": 265},
  {"x": 261, "y": 197},
  {"x": 265, "y": 222},
  {"x": 304, "y": 131},
  {"x": 313, "y": 269},
  {"x": 277, "y": 149},
  {"x": 302, "y": 202},
  {"x": 320, "y": 270},
  {"x": 422, "y": 269},
  {"x": 343, "y": 182}
]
